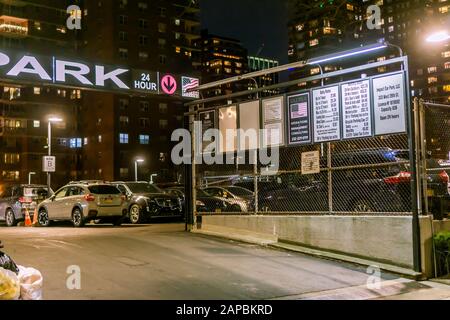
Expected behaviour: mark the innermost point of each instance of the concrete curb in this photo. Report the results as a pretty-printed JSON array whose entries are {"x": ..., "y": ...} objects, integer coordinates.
[{"x": 272, "y": 242}]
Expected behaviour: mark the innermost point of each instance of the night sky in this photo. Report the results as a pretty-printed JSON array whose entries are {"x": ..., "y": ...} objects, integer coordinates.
[{"x": 253, "y": 22}]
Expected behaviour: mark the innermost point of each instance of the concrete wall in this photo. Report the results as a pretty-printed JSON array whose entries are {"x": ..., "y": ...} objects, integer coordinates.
[{"x": 380, "y": 238}]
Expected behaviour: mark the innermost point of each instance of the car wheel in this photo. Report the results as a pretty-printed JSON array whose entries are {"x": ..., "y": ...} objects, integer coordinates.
[
  {"x": 135, "y": 214},
  {"x": 362, "y": 206},
  {"x": 235, "y": 208},
  {"x": 43, "y": 219},
  {"x": 10, "y": 218},
  {"x": 118, "y": 222},
  {"x": 77, "y": 218}
]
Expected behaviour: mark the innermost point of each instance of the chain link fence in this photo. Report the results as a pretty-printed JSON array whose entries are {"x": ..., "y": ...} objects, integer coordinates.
[
  {"x": 359, "y": 177},
  {"x": 435, "y": 157}
]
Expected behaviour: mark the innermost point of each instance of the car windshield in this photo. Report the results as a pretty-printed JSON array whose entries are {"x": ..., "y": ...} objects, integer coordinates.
[
  {"x": 239, "y": 191},
  {"x": 103, "y": 189},
  {"x": 143, "y": 188}
]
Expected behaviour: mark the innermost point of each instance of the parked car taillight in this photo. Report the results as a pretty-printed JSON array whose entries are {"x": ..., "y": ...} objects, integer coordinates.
[
  {"x": 402, "y": 177},
  {"x": 25, "y": 200},
  {"x": 444, "y": 177},
  {"x": 89, "y": 197}
]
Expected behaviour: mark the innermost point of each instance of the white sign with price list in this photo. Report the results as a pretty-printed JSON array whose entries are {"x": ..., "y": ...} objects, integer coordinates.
[{"x": 49, "y": 164}]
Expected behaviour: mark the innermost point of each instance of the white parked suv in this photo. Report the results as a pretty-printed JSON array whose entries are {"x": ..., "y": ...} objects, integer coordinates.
[{"x": 82, "y": 202}]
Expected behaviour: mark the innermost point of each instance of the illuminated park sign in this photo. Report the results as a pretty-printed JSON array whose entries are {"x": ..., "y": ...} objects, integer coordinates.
[{"x": 66, "y": 72}]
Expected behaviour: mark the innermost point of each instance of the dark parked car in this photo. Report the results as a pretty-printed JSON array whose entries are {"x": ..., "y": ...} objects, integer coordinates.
[
  {"x": 371, "y": 188},
  {"x": 146, "y": 201},
  {"x": 205, "y": 201},
  {"x": 16, "y": 199},
  {"x": 238, "y": 199}
]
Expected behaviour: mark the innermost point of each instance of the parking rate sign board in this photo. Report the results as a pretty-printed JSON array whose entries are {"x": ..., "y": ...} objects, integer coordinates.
[
  {"x": 326, "y": 114},
  {"x": 356, "y": 109},
  {"x": 389, "y": 104}
]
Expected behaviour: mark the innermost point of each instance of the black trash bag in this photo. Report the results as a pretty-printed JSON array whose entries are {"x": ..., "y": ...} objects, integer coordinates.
[{"x": 7, "y": 263}]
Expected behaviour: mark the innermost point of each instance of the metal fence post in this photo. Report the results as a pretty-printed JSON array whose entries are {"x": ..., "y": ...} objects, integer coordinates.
[
  {"x": 330, "y": 179},
  {"x": 416, "y": 195},
  {"x": 255, "y": 173},
  {"x": 423, "y": 154}
]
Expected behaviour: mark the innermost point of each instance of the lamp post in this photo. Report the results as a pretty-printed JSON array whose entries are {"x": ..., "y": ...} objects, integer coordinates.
[
  {"x": 136, "y": 168},
  {"x": 29, "y": 176},
  {"x": 49, "y": 138}
]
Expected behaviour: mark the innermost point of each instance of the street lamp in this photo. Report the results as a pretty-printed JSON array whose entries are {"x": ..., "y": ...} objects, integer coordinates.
[
  {"x": 153, "y": 176},
  {"x": 136, "y": 168},
  {"x": 439, "y": 36},
  {"x": 49, "y": 138},
  {"x": 29, "y": 177}
]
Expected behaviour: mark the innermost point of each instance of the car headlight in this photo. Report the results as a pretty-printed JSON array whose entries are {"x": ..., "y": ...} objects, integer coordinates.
[{"x": 199, "y": 203}]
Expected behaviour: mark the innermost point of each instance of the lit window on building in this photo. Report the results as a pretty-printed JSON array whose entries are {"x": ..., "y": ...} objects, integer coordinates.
[
  {"x": 123, "y": 53},
  {"x": 99, "y": 139},
  {"x": 177, "y": 22},
  {"x": 75, "y": 143},
  {"x": 391, "y": 29},
  {"x": 350, "y": 7},
  {"x": 142, "y": 6},
  {"x": 446, "y": 88},
  {"x": 62, "y": 93},
  {"x": 163, "y": 157},
  {"x": 86, "y": 141},
  {"x": 123, "y": 138},
  {"x": 412, "y": 83},
  {"x": 36, "y": 123},
  {"x": 445, "y": 54},
  {"x": 11, "y": 158},
  {"x": 144, "y": 122},
  {"x": 177, "y": 35},
  {"x": 11, "y": 175},
  {"x": 123, "y": 4},
  {"x": 143, "y": 56},
  {"x": 144, "y": 139},
  {"x": 432, "y": 90},
  {"x": 432, "y": 80},
  {"x": 313, "y": 42},
  {"x": 124, "y": 121},
  {"x": 12, "y": 93},
  {"x": 162, "y": 28},
  {"x": 163, "y": 124},
  {"x": 432, "y": 69},
  {"x": 163, "y": 108},
  {"x": 447, "y": 65},
  {"x": 300, "y": 27}
]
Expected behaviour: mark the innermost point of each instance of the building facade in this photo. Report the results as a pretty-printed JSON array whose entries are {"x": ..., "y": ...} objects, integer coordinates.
[
  {"x": 221, "y": 58},
  {"x": 102, "y": 133},
  {"x": 37, "y": 27},
  {"x": 143, "y": 35},
  {"x": 258, "y": 64}
]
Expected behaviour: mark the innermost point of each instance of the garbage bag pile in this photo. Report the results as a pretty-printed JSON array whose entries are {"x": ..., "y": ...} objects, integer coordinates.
[{"x": 17, "y": 282}]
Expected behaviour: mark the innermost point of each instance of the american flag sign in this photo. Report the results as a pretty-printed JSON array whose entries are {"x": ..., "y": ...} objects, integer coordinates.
[{"x": 188, "y": 84}]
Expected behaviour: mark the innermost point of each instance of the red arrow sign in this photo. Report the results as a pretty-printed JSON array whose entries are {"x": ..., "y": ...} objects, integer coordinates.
[{"x": 169, "y": 84}]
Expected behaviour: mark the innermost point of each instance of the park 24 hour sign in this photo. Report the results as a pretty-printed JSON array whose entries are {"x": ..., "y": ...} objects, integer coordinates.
[{"x": 39, "y": 70}]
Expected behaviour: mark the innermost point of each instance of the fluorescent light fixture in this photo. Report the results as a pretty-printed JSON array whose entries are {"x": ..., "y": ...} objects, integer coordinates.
[
  {"x": 439, "y": 36},
  {"x": 140, "y": 160},
  {"x": 346, "y": 54}
]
